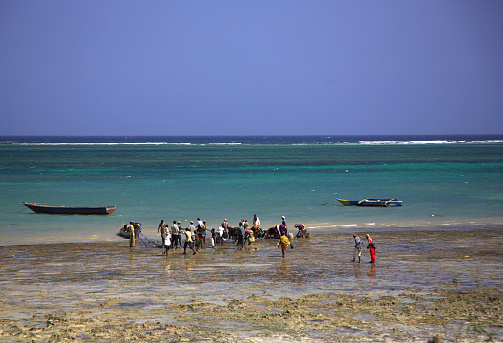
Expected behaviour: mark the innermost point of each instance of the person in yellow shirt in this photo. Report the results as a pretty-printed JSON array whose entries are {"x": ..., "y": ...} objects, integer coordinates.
[
  {"x": 188, "y": 241},
  {"x": 284, "y": 242},
  {"x": 130, "y": 229}
]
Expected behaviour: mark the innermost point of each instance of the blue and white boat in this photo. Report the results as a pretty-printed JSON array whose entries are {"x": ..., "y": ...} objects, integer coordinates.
[{"x": 371, "y": 202}]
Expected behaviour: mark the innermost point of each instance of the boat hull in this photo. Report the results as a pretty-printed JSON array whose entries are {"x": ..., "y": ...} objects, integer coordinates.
[
  {"x": 125, "y": 234},
  {"x": 394, "y": 203},
  {"x": 123, "y": 231},
  {"x": 101, "y": 210},
  {"x": 371, "y": 202},
  {"x": 347, "y": 202}
]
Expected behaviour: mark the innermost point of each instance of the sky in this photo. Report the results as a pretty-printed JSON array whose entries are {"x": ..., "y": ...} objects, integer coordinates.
[{"x": 261, "y": 67}]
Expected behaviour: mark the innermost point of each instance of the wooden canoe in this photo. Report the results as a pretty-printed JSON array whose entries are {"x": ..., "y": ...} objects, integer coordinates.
[{"x": 69, "y": 209}]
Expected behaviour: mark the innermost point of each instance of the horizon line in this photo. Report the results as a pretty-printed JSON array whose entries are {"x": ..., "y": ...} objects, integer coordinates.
[{"x": 266, "y": 135}]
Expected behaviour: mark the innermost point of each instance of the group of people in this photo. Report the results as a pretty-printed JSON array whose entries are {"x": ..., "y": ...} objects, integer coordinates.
[
  {"x": 245, "y": 234},
  {"x": 358, "y": 248},
  {"x": 195, "y": 235}
]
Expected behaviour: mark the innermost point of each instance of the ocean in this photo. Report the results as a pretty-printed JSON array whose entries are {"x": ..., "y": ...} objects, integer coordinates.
[
  {"x": 443, "y": 181},
  {"x": 71, "y": 277}
]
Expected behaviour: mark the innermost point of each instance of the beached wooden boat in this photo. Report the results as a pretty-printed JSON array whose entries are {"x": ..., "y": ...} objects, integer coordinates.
[
  {"x": 371, "y": 202},
  {"x": 69, "y": 209},
  {"x": 124, "y": 232}
]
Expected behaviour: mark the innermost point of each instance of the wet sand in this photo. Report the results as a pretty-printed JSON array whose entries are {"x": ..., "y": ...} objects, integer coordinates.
[{"x": 427, "y": 285}]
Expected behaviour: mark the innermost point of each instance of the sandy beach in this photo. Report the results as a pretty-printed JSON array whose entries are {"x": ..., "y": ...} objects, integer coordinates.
[{"x": 430, "y": 285}]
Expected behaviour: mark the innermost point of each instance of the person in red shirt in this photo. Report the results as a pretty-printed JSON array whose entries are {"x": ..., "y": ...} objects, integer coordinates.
[{"x": 372, "y": 248}]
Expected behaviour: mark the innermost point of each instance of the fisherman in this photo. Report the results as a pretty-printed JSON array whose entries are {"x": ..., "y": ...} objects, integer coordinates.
[
  {"x": 372, "y": 248},
  {"x": 163, "y": 230},
  {"x": 192, "y": 228},
  {"x": 197, "y": 240},
  {"x": 256, "y": 221},
  {"x": 188, "y": 241},
  {"x": 175, "y": 231},
  {"x": 302, "y": 230},
  {"x": 213, "y": 238},
  {"x": 130, "y": 229},
  {"x": 167, "y": 243},
  {"x": 283, "y": 230},
  {"x": 358, "y": 248},
  {"x": 220, "y": 236},
  {"x": 241, "y": 236},
  {"x": 256, "y": 225},
  {"x": 284, "y": 242},
  {"x": 225, "y": 233},
  {"x": 202, "y": 234}
]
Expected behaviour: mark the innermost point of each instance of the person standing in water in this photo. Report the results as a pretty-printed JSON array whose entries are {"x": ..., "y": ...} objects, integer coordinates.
[
  {"x": 130, "y": 229},
  {"x": 241, "y": 236},
  {"x": 256, "y": 221},
  {"x": 284, "y": 243},
  {"x": 202, "y": 234},
  {"x": 175, "y": 232},
  {"x": 192, "y": 228},
  {"x": 180, "y": 234},
  {"x": 162, "y": 228},
  {"x": 358, "y": 248},
  {"x": 225, "y": 233},
  {"x": 188, "y": 241},
  {"x": 167, "y": 243},
  {"x": 213, "y": 238},
  {"x": 372, "y": 248},
  {"x": 283, "y": 229}
]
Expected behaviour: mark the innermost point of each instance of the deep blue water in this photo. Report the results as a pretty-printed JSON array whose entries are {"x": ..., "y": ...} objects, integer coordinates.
[{"x": 402, "y": 139}]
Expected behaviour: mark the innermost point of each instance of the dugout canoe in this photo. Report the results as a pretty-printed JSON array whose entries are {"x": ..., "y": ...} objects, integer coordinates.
[{"x": 37, "y": 208}]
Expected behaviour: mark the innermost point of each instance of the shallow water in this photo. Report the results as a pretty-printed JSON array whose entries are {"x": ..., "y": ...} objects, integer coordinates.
[
  {"x": 110, "y": 284},
  {"x": 58, "y": 278}
]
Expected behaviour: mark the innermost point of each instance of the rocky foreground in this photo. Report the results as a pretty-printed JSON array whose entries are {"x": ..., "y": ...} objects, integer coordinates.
[{"x": 459, "y": 301}]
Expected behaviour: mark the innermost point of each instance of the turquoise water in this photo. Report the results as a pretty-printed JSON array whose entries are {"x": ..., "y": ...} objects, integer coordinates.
[{"x": 442, "y": 181}]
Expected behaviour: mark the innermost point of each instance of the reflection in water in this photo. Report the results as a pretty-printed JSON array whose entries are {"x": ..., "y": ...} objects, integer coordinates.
[
  {"x": 167, "y": 269},
  {"x": 284, "y": 269},
  {"x": 373, "y": 271},
  {"x": 357, "y": 270},
  {"x": 189, "y": 267},
  {"x": 131, "y": 258}
]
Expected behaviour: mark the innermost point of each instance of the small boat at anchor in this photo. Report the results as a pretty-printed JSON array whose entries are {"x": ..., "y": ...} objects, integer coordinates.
[
  {"x": 371, "y": 202},
  {"x": 37, "y": 208}
]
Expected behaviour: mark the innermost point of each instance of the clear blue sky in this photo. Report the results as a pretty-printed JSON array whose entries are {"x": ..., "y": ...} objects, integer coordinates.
[{"x": 258, "y": 67}]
